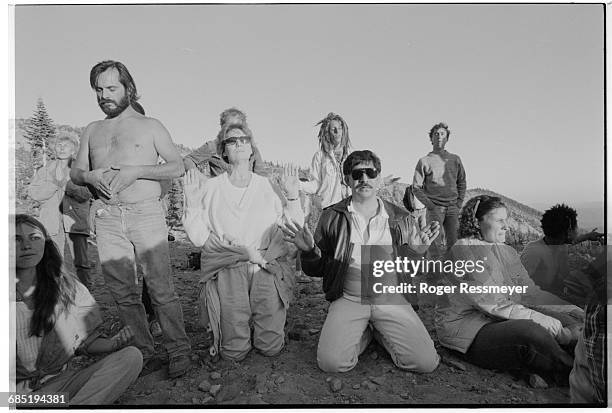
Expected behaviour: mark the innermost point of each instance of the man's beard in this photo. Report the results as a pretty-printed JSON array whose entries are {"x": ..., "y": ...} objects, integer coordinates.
[{"x": 119, "y": 107}]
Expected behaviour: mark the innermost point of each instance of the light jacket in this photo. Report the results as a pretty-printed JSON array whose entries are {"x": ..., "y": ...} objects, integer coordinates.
[
  {"x": 64, "y": 206},
  {"x": 325, "y": 181},
  {"x": 459, "y": 316}
]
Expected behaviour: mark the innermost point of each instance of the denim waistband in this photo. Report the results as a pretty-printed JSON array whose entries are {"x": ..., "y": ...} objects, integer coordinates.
[{"x": 145, "y": 201}]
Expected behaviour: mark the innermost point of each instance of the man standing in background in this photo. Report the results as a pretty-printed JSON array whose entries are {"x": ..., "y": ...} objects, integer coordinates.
[{"x": 439, "y": 183}]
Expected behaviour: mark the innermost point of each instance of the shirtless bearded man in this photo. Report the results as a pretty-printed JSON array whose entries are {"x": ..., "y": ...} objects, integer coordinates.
[{"x": 118, "y": 157}]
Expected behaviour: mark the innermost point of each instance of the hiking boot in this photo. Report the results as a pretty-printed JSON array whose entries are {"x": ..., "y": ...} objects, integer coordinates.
[
  {"x": 151, "y": 365},
  {"x": 179, "y": 365}
]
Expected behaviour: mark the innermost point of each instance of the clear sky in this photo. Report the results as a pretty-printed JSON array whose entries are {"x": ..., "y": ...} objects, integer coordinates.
[{"x": 521, "y": 86}]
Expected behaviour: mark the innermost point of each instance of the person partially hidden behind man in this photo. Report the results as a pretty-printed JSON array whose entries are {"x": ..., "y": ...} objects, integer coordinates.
[
  {"x": 118, "y": 157},
  {"x": 208, "y": 153},
  {"x": 335, "y": 254}
]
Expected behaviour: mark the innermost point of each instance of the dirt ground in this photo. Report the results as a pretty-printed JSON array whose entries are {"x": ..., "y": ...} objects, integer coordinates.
[{"x": 294, "y": 378}]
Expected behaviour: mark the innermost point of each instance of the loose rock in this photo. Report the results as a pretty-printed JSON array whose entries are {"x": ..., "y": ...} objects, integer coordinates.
[
  {"x": 280, "y": 380},
  {"x": 204, "y": 386},
  {"x": 378, "y": 380},
  {"x": 356, "y": 386},
  {"x": 215, "y": 375},
  {"x": 335, "y": 384},
  {"x": 537, "y": 382},
  {"x": 214, "y": 389}
]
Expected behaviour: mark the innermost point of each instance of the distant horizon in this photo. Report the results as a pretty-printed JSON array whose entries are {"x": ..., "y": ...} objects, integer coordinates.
[{"x": 538, "y": 205}]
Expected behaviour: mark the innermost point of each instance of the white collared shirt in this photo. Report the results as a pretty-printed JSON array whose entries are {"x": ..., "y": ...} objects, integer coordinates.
[{"x": 373, "y": 232}]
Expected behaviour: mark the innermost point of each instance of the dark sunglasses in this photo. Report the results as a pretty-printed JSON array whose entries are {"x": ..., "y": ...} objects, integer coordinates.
[
  {"x": 233, "y": 141},
  {"x": 371, "y": 173}
]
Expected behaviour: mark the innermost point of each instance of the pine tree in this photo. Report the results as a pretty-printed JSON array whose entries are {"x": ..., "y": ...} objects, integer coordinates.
[
  {"x": 40, "y": 133},
  {"x": 175, "y": 204}
]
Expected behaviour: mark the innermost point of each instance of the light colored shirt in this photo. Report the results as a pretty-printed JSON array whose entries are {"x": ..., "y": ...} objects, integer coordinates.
[
  {"x": 70, "y": 326},
  {"x": 373, "y": 232},
  {"x": 242, "y": 215},
  {"x": 325, "y": 180}
]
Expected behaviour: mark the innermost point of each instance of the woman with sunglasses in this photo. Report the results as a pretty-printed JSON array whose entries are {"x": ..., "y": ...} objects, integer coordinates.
[
  {"x": 57, "y": 318},
  {"x": 246, "y": 279},
  {"x": 532, "y": 333}
]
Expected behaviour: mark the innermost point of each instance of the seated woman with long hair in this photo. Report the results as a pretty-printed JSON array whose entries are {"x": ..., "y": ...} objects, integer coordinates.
[
  {"x": 246, "y": 278},
  {"x": 530, "y": 333},
  {"x": 57, "y": 318}
]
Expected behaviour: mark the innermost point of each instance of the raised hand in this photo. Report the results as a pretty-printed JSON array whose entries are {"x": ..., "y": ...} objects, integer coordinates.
[
  {"x": 125, "y": 177},
  {"x": 96, "y": 179},
  {"x": 390, "y": 179},
  {"x": 421, "y": 239},
  {"x": 289, "y": 181},
  {"x": 593, "y": 235},
  {"x": 192, "y": 183},
  {"x": 122, "y": 338},
  {"x": 299, "y": 236}
]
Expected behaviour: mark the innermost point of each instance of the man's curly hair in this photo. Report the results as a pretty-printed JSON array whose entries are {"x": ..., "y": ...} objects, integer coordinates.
[
  {"x": 559, "y": 220},
  {"x": 469, "y": 219},
  {"x": 325, "y": 139},
  {"x": 438, "y": 126}
]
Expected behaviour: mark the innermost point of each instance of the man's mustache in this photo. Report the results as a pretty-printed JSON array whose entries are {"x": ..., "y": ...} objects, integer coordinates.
[
  {"x": 103, "y": 101},
  {"x": 364, "y": 185}
]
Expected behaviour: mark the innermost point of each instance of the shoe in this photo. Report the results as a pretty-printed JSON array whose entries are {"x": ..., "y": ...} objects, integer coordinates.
[
  {"x": 171, "y": 237},
  {"x": 151, "y": 365},
  {"x": 179, "y": 365},
  {"x": 155, "y": 328},
  {"x": 302, "y": 278}
]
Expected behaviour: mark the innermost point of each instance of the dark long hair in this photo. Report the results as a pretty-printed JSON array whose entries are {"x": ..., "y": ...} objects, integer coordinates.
[
  {"x": 51, "y": 286},
  {"x": 125, "y": 78}
]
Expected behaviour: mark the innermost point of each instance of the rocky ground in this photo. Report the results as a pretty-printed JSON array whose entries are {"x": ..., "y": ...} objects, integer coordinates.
[{"x": 294, "y": 378}]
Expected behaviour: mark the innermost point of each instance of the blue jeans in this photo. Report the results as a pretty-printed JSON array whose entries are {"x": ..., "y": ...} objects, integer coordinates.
[
  {"x": 127, "y": 232},
  {"x": 448, "y": 217}
]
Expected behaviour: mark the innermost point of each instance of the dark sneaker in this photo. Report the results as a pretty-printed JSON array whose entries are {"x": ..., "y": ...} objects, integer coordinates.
[
  {"x": 179, "y": 365},
  {"x": 151, "y": 365}
]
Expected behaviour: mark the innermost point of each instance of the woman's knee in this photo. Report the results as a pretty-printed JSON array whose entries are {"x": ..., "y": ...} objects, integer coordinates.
[{"x": 131, "y": 358}]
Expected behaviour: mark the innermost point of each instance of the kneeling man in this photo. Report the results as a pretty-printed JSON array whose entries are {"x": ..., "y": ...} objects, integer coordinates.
[{"x": 335, "y": 254}]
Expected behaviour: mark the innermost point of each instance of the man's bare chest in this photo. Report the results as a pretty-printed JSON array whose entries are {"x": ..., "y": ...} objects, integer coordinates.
[{"x": 121, "y": 143}]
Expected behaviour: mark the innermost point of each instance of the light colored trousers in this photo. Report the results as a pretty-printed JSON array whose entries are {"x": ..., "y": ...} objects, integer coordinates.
[
  {"x": 102, "y": 382},
  {"x": 249, "y": 296},
  {"x": 347, "y": 331}
]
